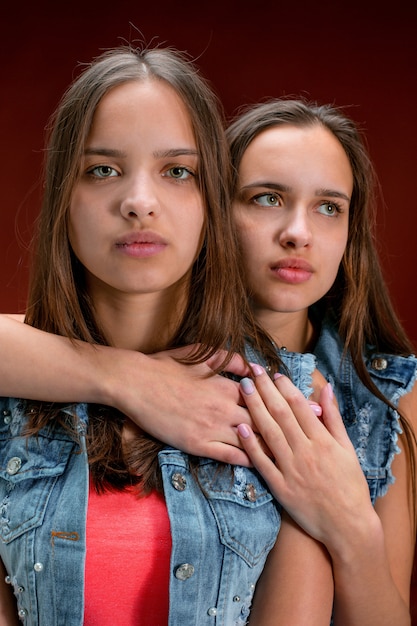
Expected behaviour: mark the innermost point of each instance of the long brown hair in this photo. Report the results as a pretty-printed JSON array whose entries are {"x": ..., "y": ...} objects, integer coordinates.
[
  {"x": 359, "y": 297},
  {"x": 217, "y": 315}
]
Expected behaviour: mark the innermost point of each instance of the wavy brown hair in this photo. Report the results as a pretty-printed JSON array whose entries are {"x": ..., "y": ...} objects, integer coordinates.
[
  {"x": 216, "y": 315},
  {"x": 359, "y": 298}
]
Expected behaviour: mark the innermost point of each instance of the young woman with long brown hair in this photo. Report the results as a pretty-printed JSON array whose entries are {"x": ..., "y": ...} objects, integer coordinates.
[{"x": 100, "y": 522}]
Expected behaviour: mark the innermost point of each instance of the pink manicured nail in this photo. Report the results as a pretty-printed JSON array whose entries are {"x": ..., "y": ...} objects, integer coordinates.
[
  {"x": 330, "y": 391},
  {"x": 257, "y": 369},
  {"x": 316, "y": 408},
  {"x": 243, "y": 431},
  {"x": 277, "y": 375}
]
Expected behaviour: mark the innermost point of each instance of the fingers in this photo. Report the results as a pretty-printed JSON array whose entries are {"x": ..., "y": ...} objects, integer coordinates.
[
  {"x": 332, "y": 418},
  {"x": 285, "y": 404},
  {"x": 260, "y": 459},
  {"x": 236, "y": 365}
]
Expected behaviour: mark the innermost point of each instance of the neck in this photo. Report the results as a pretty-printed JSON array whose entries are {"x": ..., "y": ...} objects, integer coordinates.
[
  {"x": 145, "y": 322},
  {"x": 293, "y": 330}
]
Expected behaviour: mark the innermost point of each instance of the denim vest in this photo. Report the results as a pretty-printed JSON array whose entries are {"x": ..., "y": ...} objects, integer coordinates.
[
  {"x": 223, "y": 525},
  {"x": 372, "y": 426}
]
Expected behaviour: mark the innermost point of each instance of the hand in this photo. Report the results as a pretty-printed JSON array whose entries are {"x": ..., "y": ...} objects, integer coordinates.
[
  {"x": 314, "y": 472},
  {"x": 185, "y": 406}
]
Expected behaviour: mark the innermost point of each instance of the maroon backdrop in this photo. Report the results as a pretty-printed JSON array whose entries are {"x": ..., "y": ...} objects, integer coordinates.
[
  {"x": 356, "y": 53},
  {"x": 359, "y": 53}
]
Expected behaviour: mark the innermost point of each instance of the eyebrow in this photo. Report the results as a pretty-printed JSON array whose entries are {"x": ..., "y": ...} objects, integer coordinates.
[
  {"x": 272, "y": 186},
  {"x": 159, "y": 154},
  {"x": 331, "y": 193}
]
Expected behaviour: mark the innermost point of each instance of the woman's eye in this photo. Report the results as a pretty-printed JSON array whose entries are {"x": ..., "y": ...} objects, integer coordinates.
[
  {"x": 267, "y": 199},
  {"x": 103, "y": 171},
  {"x": 180, "y": 173},
  {"x": 328, "y": 208}
]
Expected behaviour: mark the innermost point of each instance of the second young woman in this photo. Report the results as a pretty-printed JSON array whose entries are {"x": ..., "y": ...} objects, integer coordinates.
[{"x": 304, "y": 189}]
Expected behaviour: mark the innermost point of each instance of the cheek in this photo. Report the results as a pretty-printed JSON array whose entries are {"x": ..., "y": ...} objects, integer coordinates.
[{"x": 332, "y": 257}]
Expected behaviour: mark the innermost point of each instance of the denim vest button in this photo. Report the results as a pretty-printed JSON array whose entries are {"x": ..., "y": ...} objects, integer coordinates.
[
  {"x": 14, "y": 465},
  {"x": 236, "y": 598},
  {"x": 38, "y": 567},
  {"x": 379, "y": 364},
  {"x": 184, "y": 571},
  {"x": 8, "y": 580},
  {"x": 22, "y": 613},
  {"x": 250, "y": 492},
  {"x": 212, "y": 611},
  {"x": 178, "y": 481}
]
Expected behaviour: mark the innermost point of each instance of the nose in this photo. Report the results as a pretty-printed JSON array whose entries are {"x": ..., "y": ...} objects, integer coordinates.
[
  {"x": 140, "y": 198},
  {"x": 295, "y": 231}
]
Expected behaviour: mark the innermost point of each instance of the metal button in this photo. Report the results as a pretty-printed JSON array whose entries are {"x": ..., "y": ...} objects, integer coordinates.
[
  {"x": 212, "y": 611},
  {"x": 22, "y": 613},
  {"x": 38, "y": 567},
  {"x": 179, "y": 481},
  {"x": 20, "y": 589},
  {"x": 184, "y": 571},
  {"x": 8, "y": 580},
  {"x": 7, "y": 419},
  {"x": 250, "y": 492},
  {"x": 14, "y": 465},
  {"x": 379, "y": 364},
  {"x": 236, "y": 598}
]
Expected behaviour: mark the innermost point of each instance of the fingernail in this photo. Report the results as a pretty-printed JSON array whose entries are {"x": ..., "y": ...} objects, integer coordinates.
[
  {"x": 257, "y": 369},
  {"x": 247, "y": 386},
  {"x": 277, "y": 375},
  {"x": 316, "y": 408},
  {"x": 243, "y": 431},
  {"x": 330, "y": 391}
]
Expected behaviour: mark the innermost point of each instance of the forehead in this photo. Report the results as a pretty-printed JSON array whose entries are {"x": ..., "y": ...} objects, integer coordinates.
[
  {"x": 141, "y": 104},
  {"x": 294, "y": 151}
]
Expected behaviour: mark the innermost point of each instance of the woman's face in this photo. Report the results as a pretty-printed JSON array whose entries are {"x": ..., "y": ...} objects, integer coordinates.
[
  {"x": 292, "y": 213},
  {"x": 137, "y": 215}
]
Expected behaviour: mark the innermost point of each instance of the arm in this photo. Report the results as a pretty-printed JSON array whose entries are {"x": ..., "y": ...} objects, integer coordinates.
[
  {"x": 317, "y": 477},
  {"x": 296, "y": 585},
  {"x": 8, "y": 610},
  {"x": 182, "y": 405}
]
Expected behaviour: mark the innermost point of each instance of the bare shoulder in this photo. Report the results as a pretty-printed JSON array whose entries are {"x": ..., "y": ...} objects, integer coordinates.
[
  {"x": 407, "y": 406},
  {"x": 15, "y": 316}
]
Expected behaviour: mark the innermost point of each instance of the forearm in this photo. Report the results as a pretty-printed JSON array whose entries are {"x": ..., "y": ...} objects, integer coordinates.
[
  {"x": 181, "y": 405},
  {"x": 42, "y": 366},
  {"x": 365, "y": 592},
  {"x": 296, "y": 586}
]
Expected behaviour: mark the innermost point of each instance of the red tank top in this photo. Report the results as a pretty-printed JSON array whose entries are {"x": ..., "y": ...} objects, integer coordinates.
[{"x": 128, "y": 557}]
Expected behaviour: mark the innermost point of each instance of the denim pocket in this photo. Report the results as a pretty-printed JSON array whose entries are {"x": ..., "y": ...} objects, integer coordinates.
[
  {"x": 29, "y": 468},
  {"x": 246, "y": 513}
]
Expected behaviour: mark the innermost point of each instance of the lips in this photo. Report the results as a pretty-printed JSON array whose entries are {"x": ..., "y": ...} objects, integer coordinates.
[
  {"x": 141, "y": 237},
  {"x": 292, "y": 271},
  {"x": 141, "y": 244}
]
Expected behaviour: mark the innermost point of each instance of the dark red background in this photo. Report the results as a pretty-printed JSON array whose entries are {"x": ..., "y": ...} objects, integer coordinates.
[{"x": 359, "y": 53}]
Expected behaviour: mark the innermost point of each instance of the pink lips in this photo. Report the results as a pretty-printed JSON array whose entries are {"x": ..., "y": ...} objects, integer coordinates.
[
  {"x": 141, "y": 244},
  {"x": 292, "y": 271}
]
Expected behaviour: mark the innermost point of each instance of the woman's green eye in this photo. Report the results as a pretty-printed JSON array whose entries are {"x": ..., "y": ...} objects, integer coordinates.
[
  {"x": 103, "y": 171},
  {"x": 267, "y": 199},
  {"x": 328, "y": 208},
  {"x": 178, "y": 172}
]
